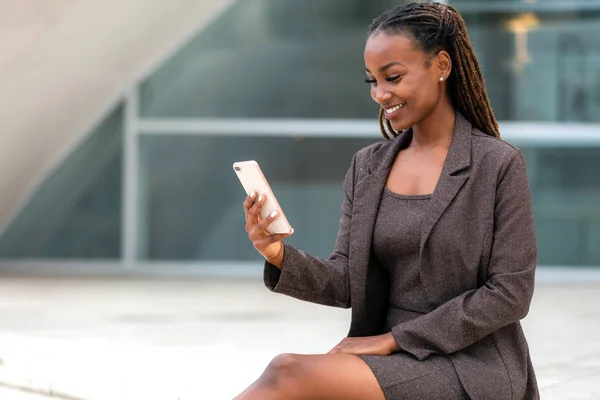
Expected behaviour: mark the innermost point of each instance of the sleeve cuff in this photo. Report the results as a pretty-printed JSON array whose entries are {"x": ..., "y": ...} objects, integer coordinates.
[{"x": 271, "y": 275}]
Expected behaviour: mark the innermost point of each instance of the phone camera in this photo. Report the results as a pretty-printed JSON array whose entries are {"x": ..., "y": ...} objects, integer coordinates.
[{"x": 237, "y": 168}]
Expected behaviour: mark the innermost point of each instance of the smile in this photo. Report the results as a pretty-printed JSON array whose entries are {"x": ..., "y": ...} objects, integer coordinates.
[{"x": 394, "y": 109}]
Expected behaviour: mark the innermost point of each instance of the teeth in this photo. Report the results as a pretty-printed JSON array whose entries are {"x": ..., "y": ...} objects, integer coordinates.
[{"x": 394, "y": 109}]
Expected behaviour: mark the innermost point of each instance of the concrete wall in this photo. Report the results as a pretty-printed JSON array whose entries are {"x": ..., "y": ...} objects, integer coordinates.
[
  {"x": 64, "y": 63},
  {"x": 24, "y": 22}
]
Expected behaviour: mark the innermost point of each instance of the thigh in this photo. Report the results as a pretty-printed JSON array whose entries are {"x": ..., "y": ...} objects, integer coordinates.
[{"x": 325, "y": 377}]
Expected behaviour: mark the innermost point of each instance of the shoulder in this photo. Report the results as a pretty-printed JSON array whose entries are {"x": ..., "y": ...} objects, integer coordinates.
[
  {"x": 361, "y": 157},
  {"x": 491, "y": 153},
  {"x": 381, "y": 147},
  {"x": 365, "y": 153}
]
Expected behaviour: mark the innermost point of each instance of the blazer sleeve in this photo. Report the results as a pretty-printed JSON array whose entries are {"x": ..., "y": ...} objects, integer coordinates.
[
  {"x": 505, "y": 297},
  {"x": 314, "y": 279}
]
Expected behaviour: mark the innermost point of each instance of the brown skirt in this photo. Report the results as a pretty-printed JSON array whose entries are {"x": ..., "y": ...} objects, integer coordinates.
[{"x": 401, "y": 376}]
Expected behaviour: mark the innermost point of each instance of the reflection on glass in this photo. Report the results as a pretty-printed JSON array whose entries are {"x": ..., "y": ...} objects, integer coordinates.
[{"x": 540, "y": 63}]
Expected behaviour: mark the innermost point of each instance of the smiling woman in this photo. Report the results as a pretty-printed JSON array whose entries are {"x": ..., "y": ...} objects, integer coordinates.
[
  {"x": 446, "y": 46},
  {"x": 436, "y": 249}
]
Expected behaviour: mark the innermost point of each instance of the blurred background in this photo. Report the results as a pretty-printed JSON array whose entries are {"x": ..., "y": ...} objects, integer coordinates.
[{"x": 120, "y": 121}]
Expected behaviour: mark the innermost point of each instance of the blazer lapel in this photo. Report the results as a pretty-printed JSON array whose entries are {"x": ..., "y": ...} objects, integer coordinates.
[
  {"x": 454, "y": 174},
  {"x": 367, "y": 197}
]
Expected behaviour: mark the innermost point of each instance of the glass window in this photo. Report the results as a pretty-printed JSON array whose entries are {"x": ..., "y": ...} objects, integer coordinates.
[
  {"x": 541, "y": 60},
  {"x": 76, "y": 213},
  {"x": 271, "y": 58},
  {"x": 566, "y": 195},
  {"x": 297, "y": 59},
  {"x": 194, "y": 199}
]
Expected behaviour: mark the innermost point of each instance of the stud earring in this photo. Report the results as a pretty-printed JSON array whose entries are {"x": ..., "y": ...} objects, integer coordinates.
[{"x": 441, "y": 78}]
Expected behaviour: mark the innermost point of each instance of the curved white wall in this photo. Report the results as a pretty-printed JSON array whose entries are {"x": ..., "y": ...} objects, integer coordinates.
[{"x": 68, "y": 61}]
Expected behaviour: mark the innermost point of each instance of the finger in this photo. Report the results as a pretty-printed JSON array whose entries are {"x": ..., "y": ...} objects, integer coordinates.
[
  {"x": 252, "y": 215},
  {"x": 262, "y": 225},
  {"x": 249, "y": 201},
  {"x": 261, "y": 242},
  {"x": 338, "y": 350},
  {"x": 347, "y": 350}
]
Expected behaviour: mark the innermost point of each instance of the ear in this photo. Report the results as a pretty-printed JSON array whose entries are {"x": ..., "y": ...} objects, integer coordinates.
[{"x": 442, "y": 64}]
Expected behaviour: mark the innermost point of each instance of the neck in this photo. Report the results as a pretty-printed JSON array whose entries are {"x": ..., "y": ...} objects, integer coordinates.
[{"x": 436, "y": 129}]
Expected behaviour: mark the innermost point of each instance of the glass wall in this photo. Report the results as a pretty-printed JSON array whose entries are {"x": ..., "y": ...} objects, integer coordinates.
[
  {"x": 541, "y": 62},
  {"x": 281, "y": 82},
  {"x": 271, "y": 59},
  {"x": 540, "y": 59},
  {"x": 76, "y": 212},
  {"x": 566, "y": 196},
  {"x": 194, "y": 200}
]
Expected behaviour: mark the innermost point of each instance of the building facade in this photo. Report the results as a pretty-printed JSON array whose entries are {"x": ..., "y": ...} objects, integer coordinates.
[{"x": 281, "y": 82}]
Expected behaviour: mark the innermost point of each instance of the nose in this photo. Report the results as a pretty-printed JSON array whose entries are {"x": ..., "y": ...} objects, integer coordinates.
[{"x": 380, "y": 95}]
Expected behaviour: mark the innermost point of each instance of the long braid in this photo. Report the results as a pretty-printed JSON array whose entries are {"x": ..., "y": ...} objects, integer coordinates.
[
  {"x": 436, "y": 27},
  {"x": 382, "y": 126},
  {"x": 386, "y": 126},
  {"x": 393, "y": 132}
]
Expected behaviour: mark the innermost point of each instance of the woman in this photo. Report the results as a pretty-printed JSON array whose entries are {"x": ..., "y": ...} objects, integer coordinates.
[{"x": 436, "y": 249}]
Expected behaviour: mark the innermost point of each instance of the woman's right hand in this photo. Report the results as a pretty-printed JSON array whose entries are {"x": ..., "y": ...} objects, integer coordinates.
[{"x": 268, "y": 245}]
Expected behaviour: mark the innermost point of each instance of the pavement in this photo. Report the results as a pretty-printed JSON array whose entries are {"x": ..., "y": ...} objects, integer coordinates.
[{"x": 134, "y": 338}]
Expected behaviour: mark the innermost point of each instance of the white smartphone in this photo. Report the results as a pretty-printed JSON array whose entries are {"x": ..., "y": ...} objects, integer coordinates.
[{"x": 252, "y": 179}]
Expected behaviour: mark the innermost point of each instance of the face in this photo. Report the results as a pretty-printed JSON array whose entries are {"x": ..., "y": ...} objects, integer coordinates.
[{"x": 402, "y": 82}]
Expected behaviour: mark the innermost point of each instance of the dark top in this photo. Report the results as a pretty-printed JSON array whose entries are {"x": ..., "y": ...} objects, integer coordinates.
[{"x": 396, "y": 238}]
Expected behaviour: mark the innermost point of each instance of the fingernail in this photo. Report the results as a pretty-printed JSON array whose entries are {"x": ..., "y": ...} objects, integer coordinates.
[
  {"x": 260, "y": 197},
  {"x": 252, "y": 193},
  {"x": 291, "y": 230},
  {"x": 274, "y": 214}
]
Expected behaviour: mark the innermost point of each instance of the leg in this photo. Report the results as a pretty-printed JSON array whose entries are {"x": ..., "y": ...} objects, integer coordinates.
[{"x": 323, "y": 377}]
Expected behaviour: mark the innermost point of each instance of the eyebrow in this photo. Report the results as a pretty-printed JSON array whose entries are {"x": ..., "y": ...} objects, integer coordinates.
[{"x": 386, "y": 66}]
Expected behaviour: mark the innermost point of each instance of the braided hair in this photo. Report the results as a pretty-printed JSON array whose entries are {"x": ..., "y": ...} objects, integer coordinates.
[{"x": 435, "y": 27}]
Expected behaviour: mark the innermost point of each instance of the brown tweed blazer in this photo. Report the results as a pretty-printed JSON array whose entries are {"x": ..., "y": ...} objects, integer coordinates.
[{"x": 478, "y": 260}]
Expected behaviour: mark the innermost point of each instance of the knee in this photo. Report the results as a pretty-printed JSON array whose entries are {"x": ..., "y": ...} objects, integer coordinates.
[{"x": 283, "y": 371}]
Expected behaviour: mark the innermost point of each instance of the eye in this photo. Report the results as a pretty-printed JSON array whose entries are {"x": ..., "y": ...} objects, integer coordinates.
[{"x": 390, "y": 79}]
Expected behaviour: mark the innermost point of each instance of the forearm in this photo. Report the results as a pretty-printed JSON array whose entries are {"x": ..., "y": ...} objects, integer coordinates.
[
  {"x": 325, "y": 281},
  {"x": 310, "y": 278}
]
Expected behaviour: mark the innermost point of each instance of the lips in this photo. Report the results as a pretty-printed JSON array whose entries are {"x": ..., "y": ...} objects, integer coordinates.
[{"x": 391, "y": 112}]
